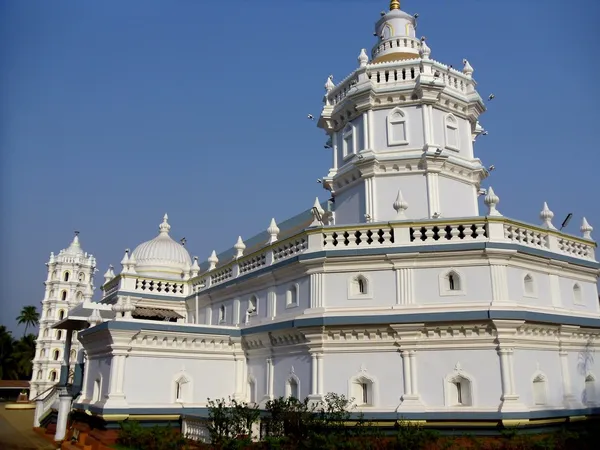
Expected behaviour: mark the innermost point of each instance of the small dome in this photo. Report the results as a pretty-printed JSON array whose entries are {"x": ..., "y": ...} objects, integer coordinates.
[
  {"x": 75, "y": 247},
  {"x": 162, "y": 256}
]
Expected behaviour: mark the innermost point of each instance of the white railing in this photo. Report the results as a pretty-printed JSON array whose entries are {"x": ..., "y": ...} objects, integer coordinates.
[
  {"x": 393, "y": 44},
  {"x": 195, "y": 429},
  {"x": 435, "y": 232},
  {"x": 44, "y": 402},
  {"x": 158, "y": 286},
  {"x": 393, "y": 73}
]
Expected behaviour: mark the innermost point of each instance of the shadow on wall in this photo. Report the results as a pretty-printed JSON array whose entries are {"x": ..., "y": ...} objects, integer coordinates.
[{"x": 584, "y": 364}]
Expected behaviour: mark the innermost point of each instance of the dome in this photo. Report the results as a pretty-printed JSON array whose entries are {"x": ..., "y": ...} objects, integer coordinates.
[
  {"x": 75, "y": 247},
  {"x": 396, "y": 36},
  {"x": 162, "y": 256}
]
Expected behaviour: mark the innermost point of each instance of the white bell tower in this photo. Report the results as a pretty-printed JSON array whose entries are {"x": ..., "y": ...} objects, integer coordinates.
[
  {"x": 401, "y": 129},
  {"x": 70, "y": 281}
]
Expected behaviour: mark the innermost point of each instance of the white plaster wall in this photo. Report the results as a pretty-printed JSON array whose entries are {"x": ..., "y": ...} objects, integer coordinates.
[
  {"x": 257, "y": 368},
  {"x": 580, "y": 364},
  {"x": 281, "y": 309},
  {"x": 457, "y": 199},
  {"x": 542, "y": 296},
  {"x": 482, "y": 365},
  {"x": 350, "y": 205},
  {"x": 301, "y": 363},
  {"x": 381, "y": 289},
  {"x": 150, "y": 380},
  {"x": 526, "y": 364},
  {"x": 589, "y": 295},
  {"x": 475, "y": 283},
  {"x": 414, "y": 129},
  {"x": 384, "y": 367},
  {"x": 464, "y": 130},
  {"x": 414, "y": 191},
  {"x": 98, "y": 368}
]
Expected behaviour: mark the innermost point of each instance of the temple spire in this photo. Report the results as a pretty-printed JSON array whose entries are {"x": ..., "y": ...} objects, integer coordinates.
[{"x": 394, "y": 4}]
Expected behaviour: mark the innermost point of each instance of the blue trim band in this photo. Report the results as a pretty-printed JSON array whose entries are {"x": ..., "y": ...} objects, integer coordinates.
[{"x": 371, "y": 415}]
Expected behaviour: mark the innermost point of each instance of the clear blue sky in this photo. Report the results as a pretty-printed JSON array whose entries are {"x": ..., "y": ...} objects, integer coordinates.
[{"x": 115, "y": 112}]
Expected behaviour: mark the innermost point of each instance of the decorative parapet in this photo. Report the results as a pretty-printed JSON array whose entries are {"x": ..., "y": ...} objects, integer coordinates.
[
  {"x": 146, "y": 285},
  {"x": 395, "y": 73},
  {"x": 434, "y": 232}
]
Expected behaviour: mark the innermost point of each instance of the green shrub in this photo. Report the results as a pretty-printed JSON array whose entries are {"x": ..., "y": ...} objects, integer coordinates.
[{"x": 132, "y": 435}]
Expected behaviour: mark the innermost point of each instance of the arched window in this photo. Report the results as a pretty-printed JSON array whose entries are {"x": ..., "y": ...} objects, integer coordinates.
[
  {"x": 590, "y": 389},
  {"x": 45, "y": 334},
  {"x": 39, "y": 375},
  {"x": 79, "y": 296},
  {"x": 459, "y": 388},
  {"x": 54, "y": 275},
  {"x": 577, "y": 297},
  {"x": 348, "y": 140},
  {"x": 182, "y": 389},
  {"x": 221, "y": 313},
  {"x": 52, "y": 375},
  {"x": 66, "y": 276},
  {"x": 73, "y": 356},
  {"x": 61, "y": 315},
  {"x": 451, "y": 283},
  {"x": 63, "y": 295},
  {"x": 529, "y": 285},
  {"x": 253, "y": 305},
  {"x": 43, "y": 353},
  {"x": 396, "y": 128},
  {"x": 292, "y": 387},
  {"x": 387, "y": 32},
  {"x": 56, "y": 355},
  {"x": 81, "y": 276},
  {"x": 362, "y": 391},
  {"x": 539, "y": 389},
  {"x": 452, "y": 136},
  {"x": 291, "y": 296},
  {"x": 59, "y": 334}
]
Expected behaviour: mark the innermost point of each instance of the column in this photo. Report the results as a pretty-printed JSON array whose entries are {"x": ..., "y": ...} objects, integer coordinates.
[
  {"x": 86, "y": 377},
  {"x": 320, "y": 374},
  {"x": 239, "y": 378},
  {"x": 406, "y": 373},
  {"x": 566, "y": 376},
  {"x": 316, "y": 290},
  {"x": 314, "y": 374},
  {"x": 197, "y": 321},
  {"x": 334, "y": 144},
  {"x": 272, "y": 303},
  {"x": 371, "y": 124},
  {"x": 365, "y": 143},
  {"x": 499, "y": 283},
  {"x": 64, "y": 370},
  {"x": 404, "y": 286},
  {"x": 64, "y": 407},
  {"x": 504, "y": 372},
  {"x": 433, "y": 193},
  {"x": 413, "y": 374},
  {"x": 269, "y": 380}
]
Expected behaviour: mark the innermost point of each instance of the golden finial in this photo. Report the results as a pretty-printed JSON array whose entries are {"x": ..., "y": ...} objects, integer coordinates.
[{"x": 394, "y": 4}]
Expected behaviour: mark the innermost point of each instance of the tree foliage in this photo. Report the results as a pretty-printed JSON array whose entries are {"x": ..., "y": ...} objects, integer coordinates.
[{"x": 15, "y": 355}]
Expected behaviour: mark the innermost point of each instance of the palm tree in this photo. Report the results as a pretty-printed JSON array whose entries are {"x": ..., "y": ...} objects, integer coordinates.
[
  {"x": 29, "y": 316},
  {"x": 23, "y": 354}
]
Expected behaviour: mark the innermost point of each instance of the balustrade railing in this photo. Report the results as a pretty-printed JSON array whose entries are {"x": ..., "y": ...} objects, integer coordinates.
[
  {"x": 398, "y": 72},
  {"x": 195, "y": 429},
  {"x": 44, "y": 403},
  {"x": 400, "y": 234}
]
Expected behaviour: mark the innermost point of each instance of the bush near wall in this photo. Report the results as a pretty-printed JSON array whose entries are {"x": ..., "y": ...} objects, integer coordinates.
[{"x": 291, "y": 424}]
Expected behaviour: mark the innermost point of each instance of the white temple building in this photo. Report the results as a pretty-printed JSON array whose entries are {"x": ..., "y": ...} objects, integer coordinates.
[{"x": 396, "y": 290}]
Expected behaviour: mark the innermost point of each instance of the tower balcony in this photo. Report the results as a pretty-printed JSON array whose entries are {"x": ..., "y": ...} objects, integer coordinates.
[
  {"x": 396, "y": 48},
  {"x": 401, "y": 75}
]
